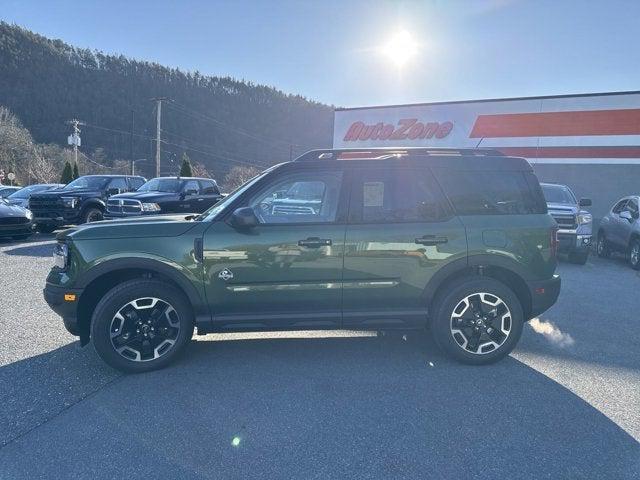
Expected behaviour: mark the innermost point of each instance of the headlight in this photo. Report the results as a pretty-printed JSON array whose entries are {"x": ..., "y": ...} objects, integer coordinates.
[
  {"x": 150, "y": 207},
  {"x": 28, "y": 214},
  {"x": 60, "y": 255},
  {"x": 70, "y": 202},
  {"x": 584, "y": 218}
]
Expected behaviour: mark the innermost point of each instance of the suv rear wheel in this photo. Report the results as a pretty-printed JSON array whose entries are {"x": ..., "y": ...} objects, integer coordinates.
[
  {"x": 478, "y": 321},
  {"x": 141, "y": 325}
]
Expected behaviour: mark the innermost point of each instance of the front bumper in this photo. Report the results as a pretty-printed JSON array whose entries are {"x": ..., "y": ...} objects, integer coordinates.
[
  {"x": 544, "y": 294},
  {"x": 16, "y": 230},
  {"x": 117, "y": 215},
  {"x": 56, "y": 217},
  {"x": 571, "y": 241},
  {"x": 59, "y": 300}
]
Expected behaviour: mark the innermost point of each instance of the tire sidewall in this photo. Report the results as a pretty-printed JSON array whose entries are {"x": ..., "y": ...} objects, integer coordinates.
[
  {"x": 87, "y": 213},
  {"x": 115, "y": 299},
  {"x": 601, "y": 247},
  {"x": 634, "y": 243},
  {"x": 445, "y": 305}
]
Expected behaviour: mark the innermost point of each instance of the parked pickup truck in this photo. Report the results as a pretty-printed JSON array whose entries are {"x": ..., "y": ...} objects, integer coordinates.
[
  {"x": 82, "y": 201},
  {"x": 575, "y": 226},
  {"x": 165, "y": 195}
]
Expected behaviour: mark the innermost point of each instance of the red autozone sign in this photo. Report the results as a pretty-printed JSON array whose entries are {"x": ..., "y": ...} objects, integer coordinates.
[{"x": 405, "y": 129}]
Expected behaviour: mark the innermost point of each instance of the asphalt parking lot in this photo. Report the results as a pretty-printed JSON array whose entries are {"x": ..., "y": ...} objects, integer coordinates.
[{"x": 564, "y": 405}]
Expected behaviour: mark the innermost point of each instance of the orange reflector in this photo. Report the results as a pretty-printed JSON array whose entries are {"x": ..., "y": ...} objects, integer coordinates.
[
  {"x": 540, "y": 291},
  {"x": 69, "y": 297}
]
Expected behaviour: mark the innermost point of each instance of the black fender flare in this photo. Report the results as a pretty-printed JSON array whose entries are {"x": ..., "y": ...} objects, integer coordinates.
[
  {"x": 472, "y": 262},
  {"x": 149, "y": 264}
]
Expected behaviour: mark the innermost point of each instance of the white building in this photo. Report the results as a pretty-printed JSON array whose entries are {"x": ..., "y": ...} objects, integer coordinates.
[{"x": 590, "y": 142}]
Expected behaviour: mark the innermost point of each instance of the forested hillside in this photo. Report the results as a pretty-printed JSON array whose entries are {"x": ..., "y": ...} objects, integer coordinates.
[{"x": 218, "y": 121}]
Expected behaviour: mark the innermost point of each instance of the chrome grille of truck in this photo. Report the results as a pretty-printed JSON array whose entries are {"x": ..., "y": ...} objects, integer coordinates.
[{"x": 124, "y": 206}]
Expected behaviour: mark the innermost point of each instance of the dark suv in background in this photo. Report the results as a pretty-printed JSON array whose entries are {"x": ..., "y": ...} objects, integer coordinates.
[
  {"x": 575, "y": 225},
  {"x": 83, "y": 200},
  {"x": 458, "y": 241},
  {"x": 165, "y": 195}
]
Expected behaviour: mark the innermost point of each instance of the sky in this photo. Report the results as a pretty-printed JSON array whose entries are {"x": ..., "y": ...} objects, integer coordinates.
[{"x": 333, "y": 51}]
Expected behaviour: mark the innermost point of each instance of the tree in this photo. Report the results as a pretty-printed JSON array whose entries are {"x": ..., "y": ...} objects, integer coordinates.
[
  {"x": 185, "y": 168},
  {"x": 238, "y": 176},
  {"x": 67, "y": 173},
  {"x": 76, "y": 173}
]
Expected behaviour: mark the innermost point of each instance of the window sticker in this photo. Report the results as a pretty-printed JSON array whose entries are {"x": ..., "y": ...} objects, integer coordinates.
[{"x": 373, "y": 194}]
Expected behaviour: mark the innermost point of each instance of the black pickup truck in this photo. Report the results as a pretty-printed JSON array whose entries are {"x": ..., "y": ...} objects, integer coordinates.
[
  {"x": 165, "y": 195},
  {"x": 81, "y": 201}
]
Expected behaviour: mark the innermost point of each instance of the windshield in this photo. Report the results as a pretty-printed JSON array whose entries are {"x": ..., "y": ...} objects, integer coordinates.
[
  {"x": 220, "y": 207},
  {"x": 558, "y": 194},
  {"x": 87, "y": 183},
  {"x": 161, "y": 185},
  {"x": 26, "y": 192}
]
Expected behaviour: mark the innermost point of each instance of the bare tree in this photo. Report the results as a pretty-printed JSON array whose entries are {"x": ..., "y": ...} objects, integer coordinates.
[{"x": 238, "y": 176}]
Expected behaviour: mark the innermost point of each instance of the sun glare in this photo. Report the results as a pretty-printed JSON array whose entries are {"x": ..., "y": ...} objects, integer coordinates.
[{"x": 400, "y": 48}]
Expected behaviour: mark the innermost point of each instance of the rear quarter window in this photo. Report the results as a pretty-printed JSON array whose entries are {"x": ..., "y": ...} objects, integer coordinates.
[{"x": 492, "y": 192}]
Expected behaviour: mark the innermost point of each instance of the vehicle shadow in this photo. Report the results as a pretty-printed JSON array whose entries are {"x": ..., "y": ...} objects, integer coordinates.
[
  {"x": 37, "y": 246},
  {"x": 323, "y": 408}
]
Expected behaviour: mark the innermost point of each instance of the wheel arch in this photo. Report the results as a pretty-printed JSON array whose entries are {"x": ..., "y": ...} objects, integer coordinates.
[
  {"x": 102, "y": 278},
  {"x": 505, "y": 271}
]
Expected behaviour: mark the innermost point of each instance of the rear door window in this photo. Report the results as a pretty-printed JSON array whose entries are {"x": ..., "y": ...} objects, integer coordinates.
[
  {"x": 383, "y": 195},
  {"x": 491, "y": 192}
]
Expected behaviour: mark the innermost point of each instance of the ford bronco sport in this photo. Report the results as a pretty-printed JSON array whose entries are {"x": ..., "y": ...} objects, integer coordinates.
[{"x": 458, "y": 241}]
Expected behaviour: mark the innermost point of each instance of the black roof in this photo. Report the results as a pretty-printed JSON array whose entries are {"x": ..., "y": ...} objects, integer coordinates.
[{"x": 454, "y": 158}]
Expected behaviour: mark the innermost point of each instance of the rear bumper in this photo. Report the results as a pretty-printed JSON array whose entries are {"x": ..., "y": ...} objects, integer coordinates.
[
  {"x": 544, "y": 294},
  {"x": 66, "y": 308}
]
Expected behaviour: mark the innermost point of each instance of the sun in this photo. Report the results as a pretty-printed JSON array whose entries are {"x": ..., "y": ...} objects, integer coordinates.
[{"x": 400, "y": 48}]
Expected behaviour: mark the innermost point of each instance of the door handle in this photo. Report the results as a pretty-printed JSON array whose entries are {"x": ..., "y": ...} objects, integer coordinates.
[
  {"x": 201, "y": 199},
  {"x": 314, "y": 242},
  {"x": 431, "y": 240}
]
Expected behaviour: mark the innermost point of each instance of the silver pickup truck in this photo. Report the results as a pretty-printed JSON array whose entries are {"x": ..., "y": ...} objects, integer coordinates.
[{"x": 575, "y": 226}]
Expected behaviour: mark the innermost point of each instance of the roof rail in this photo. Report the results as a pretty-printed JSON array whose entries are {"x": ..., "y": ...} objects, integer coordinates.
[{"x": 391, "y": 152}]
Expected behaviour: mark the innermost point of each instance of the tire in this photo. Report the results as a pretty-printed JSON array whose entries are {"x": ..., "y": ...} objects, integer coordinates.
[
  {"x": 579, "y": 258},
  {"x": 634, "y": 254},
  {"x": 453, "y": 324},
  {"x": 171, "y": 313},
  {"x": 92, "y": 214},
  {"x": 46, "y": 228},
  {"x": 602, "y": 246}
]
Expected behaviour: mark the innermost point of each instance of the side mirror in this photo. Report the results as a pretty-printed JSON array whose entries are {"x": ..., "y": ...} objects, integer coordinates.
[
  {"x": 585, "y": 202},
  {"x": 626, "y": 214},
  {"x": 244, "y": 218},
  {"x": 190, "y": 192},
  {"x": 113, "y": 191}
]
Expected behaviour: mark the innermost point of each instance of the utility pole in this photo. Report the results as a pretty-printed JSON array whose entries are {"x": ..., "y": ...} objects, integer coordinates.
[
  {"x": 74, "y": 138},
  {"x": 158, "y": 101},
  {"x": 133, "y": 124}
]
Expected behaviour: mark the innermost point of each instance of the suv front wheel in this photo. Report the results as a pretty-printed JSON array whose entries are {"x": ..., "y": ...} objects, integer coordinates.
[
  {"x": 477, "y": 321},
  {"x": 141, "y": 325}
]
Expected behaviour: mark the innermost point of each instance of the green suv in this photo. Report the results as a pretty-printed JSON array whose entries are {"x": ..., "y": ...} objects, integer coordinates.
[{"x": 458, "y": 241}]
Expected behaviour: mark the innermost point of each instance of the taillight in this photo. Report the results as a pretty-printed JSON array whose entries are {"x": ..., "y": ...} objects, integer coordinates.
[{"x": 553, "y": 242}]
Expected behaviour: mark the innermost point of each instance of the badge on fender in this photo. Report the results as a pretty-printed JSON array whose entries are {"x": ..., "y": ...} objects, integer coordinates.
[{"x": 225, "y": 275}]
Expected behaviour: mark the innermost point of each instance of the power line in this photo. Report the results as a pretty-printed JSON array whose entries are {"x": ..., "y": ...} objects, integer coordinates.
[
  {"x": 189, "y": 112},
  {"x": 207, "y": 145}
]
